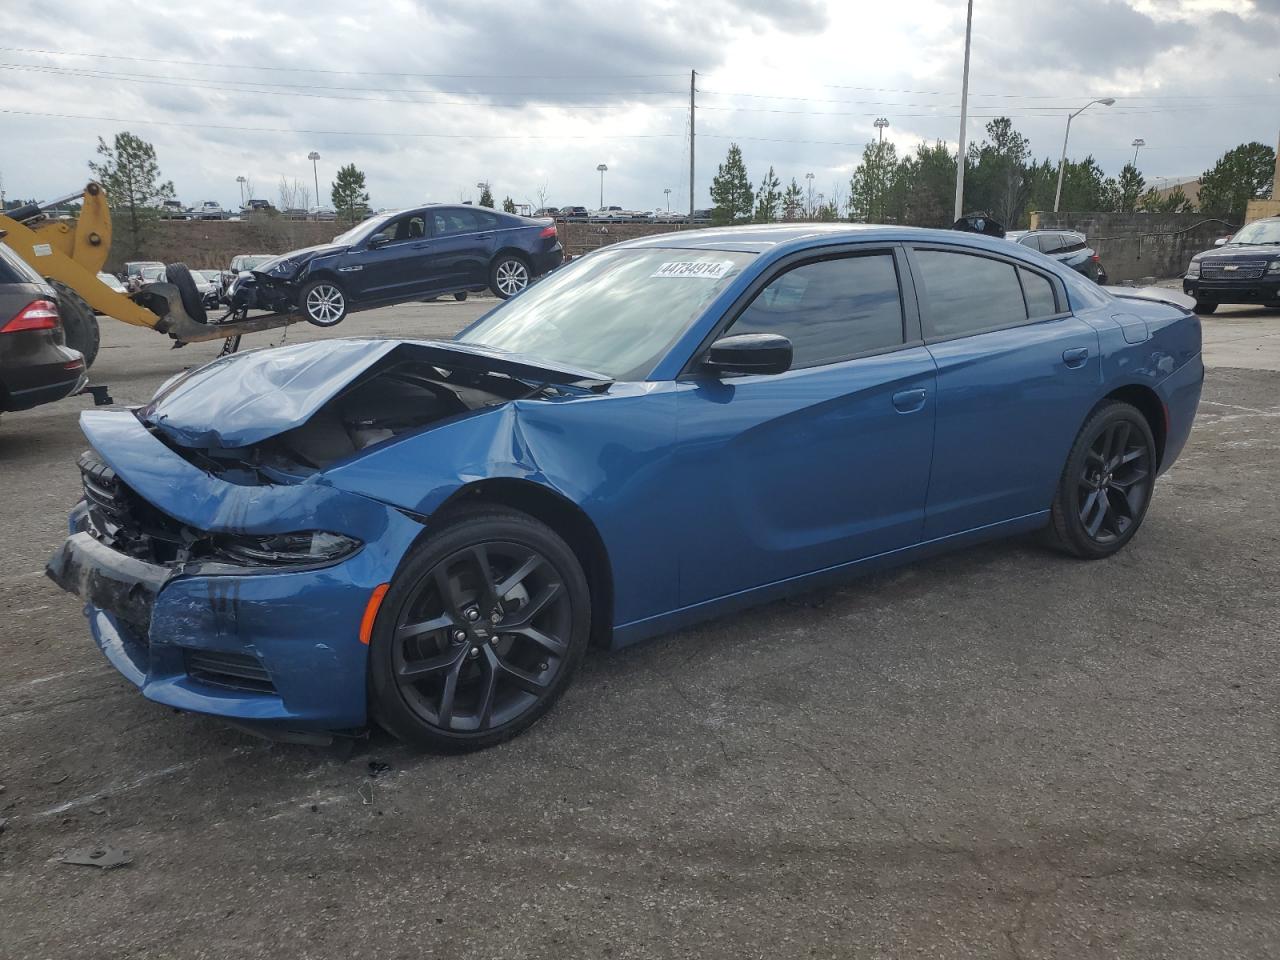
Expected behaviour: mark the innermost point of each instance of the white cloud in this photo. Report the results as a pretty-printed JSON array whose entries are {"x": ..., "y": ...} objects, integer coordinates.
[{"x": 429, "y": 98}]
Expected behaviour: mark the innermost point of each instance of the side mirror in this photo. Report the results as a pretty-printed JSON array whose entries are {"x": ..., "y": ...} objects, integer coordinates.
[
  {"x": 1221, "y": 241},
  {"x": 749, "y": 353},
  {"x": 378, "y": 241}
]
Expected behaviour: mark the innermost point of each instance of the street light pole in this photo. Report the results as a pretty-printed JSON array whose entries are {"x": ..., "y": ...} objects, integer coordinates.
[
  {"x": 667, "y": 191},
  {"x": 313, "y": 157},
  {"x": 880, "y": 124},
  {"x": 240, "y": 180},
  {"x": 809, "y": 208},
  {"x": 964, "y": 112},
  {"x": 602, "y": 168},
  {"x": 1137, "y": 145},
  {"x": 1062, "y": 163}
]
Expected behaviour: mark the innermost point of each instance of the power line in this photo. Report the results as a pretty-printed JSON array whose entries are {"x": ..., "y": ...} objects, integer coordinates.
[
  {"x": 346, "y": 73},
  {"x": 340, "y": 133},
  {"x": 197, "y": 83}
]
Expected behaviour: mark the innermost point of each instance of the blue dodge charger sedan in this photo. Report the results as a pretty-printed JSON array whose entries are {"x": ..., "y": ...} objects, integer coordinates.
[{"x": 430, "y": 534}]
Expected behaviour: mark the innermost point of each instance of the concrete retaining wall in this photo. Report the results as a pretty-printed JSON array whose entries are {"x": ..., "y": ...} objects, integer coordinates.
[{"x": 1140, "y": 246}]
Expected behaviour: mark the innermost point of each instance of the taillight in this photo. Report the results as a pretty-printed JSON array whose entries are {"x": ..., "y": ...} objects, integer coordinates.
[
  {"x": 547, "y": 232},
  {"x": 36, "y": 315},
  {"x": 1096, "y": 259}
]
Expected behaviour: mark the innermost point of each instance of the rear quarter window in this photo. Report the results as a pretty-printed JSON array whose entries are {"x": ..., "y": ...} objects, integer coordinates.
[
  {"x": 13, "y": 269},
  {"x": 967, "y": 294}
]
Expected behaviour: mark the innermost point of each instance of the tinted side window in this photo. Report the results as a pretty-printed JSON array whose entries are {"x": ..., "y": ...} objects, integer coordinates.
[
  {"x": 13, "y": 269},
  {"x": 454, "y": 221},
  {"x": 831, "y": 309},
  {"x": 486, "y": 221},
  {"x": 968, "y": 294},
  {"x": 1041, "y": 301}
]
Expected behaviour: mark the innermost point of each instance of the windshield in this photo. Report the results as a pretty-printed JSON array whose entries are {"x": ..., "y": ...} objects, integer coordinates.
[
  {"x": 1263, "y": 231},
  {"x": 249, "y": 263},
  {"x": 364, "y": 229},
  {"x": 615, "y": 312}
]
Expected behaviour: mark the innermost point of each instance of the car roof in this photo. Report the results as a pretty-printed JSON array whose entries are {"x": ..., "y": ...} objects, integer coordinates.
[{"x": 772, "y": 237}]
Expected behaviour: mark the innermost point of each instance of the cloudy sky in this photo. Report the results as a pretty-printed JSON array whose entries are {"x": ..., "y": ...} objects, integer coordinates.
[{"x": 429, "y": 97}]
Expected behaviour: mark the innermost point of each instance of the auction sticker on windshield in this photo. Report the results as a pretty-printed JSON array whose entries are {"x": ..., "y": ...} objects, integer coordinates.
[{"x": 702, "y": 269}]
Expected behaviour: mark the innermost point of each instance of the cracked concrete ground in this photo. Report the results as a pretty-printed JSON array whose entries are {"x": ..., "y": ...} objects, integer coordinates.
[{"x": 1001, "y": 752}]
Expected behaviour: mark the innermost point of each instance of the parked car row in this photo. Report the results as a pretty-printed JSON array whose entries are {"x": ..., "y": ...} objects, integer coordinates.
[
  {"x": 1068, "y": 247},
  {"x": 619, "y": 215}
]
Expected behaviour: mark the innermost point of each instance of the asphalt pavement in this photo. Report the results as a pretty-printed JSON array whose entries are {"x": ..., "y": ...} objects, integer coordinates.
[{"x": 998, "y": 753}]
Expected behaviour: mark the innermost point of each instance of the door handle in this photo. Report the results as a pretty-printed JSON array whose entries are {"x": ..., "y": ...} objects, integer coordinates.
[
  {"x": 484, "y": 236},
  {"x": 1076, "y": 357},
  {"x": 909, "y": 401},
  {"x": 422, "y": 244}
]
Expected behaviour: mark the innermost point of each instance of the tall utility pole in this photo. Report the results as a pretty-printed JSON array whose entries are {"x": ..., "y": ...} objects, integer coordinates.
[
  {"x": 693, "y": 76},
  {"x": 602, "y": 168},
  {"x": 1137, "y": 145},
  {"x": 880, "y": 124},
  {"x": 1062, "y": 164},
  {"x": 809, "y": 209},
  {"x": 667, "y": 191},
  {"x": 313, "y": 157},
  {"x": 964, "y": 113}
]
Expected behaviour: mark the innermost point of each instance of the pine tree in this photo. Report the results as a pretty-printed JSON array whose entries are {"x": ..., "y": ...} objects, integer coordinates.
[
  {"x": 486, "y": 197},
  {"x": 870, "y": 184},
  {"x": 1129, "y": 189},
  {"x": 768, "y": 198},
  {"x": 508, "y": 205},
  {"x": 1242, "y": 174},
  {"x": 792, "y": 201},
  {"x": 131, "y": 175},
  {"x": 348, "y": 193},
  {"x": 731, "y": 191}
]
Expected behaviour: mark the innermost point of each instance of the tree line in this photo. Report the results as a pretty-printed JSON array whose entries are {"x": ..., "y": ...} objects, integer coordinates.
[{"x": 1002, "y": 180}]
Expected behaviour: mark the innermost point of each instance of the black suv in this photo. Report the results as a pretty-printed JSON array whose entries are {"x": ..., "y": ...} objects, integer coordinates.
[
  {"x": 1069, "y": 248},
  {"x": 35, "y": 364},
  {"x": 1244, "y": 269},
  {"x": 401, "y": 256}
]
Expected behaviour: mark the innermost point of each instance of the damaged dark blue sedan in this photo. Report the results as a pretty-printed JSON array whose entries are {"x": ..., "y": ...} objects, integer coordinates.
[{"x": 430, "y": 534}]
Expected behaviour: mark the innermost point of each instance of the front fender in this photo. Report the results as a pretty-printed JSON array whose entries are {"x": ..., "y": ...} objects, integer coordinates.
[{"x": 611, "y": 455}]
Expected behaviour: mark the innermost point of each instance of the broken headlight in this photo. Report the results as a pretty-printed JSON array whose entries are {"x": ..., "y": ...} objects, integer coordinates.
[
  {"x": 286, "y": 549},
  {"x": 1193, "y": 269}
]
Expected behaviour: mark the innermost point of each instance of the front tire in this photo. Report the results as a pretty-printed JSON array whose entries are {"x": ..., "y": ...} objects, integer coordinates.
[
  {"x": 508, "y": 275},
  {"x": 323, "y": 303},
  {"x": 79, "y": 323},
  {"x": 1205, "y": 306},
  {"x": 179, "y": 274},
  {"x": 479, "y": 634},
  {"x": 1106, "y": 485}
]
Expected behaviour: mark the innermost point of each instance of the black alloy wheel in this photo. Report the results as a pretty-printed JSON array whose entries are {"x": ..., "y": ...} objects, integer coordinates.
[
  {"x": 1106, "y": 487},
  {"x": 479, "y": 634}
]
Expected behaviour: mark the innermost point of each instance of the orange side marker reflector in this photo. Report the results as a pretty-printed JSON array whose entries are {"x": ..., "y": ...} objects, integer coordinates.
[{"x": 371, "y": 612}]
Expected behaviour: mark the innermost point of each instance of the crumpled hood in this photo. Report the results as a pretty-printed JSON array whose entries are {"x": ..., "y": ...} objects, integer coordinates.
[
  {"x": 245, "y": 398},
  {"x": 300, "y": 257}
]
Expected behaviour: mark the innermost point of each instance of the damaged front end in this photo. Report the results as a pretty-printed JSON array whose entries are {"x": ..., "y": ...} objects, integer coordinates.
[{"x": 221, "y": 568}]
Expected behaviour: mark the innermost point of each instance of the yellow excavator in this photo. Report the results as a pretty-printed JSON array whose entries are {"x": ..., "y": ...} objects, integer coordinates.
[{"x": 70, "y": 254}]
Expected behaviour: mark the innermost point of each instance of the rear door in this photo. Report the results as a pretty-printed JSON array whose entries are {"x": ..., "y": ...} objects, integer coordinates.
[
  {"x": 1017, "y": 374},
  {"x": 394, "y": 263},
  {"x": 827, "y": 463},
  {"x": 463, "y": 241}
]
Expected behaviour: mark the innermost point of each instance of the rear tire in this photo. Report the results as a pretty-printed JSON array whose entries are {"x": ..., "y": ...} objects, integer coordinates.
[
  {"x": 1106, "y": 485},
  {"x": 460, "y": 296},
  {"x": 1205, "y": 306},
  {"x": 508, "y": 275},
  {"x": 459, "y": 663},
  {"x": 79, "y": 323},
  {"x": 180, "y": 276}
]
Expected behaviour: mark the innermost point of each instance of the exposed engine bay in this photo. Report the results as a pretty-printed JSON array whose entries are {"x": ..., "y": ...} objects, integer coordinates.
[{"x": 395, "y": 397}]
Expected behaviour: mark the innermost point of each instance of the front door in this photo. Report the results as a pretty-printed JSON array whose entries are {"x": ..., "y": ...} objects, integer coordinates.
[
  {"x": 824, "y": 464},
  {"x": 1017, "y": 375},
  {"x": 395, "y": 261}
]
